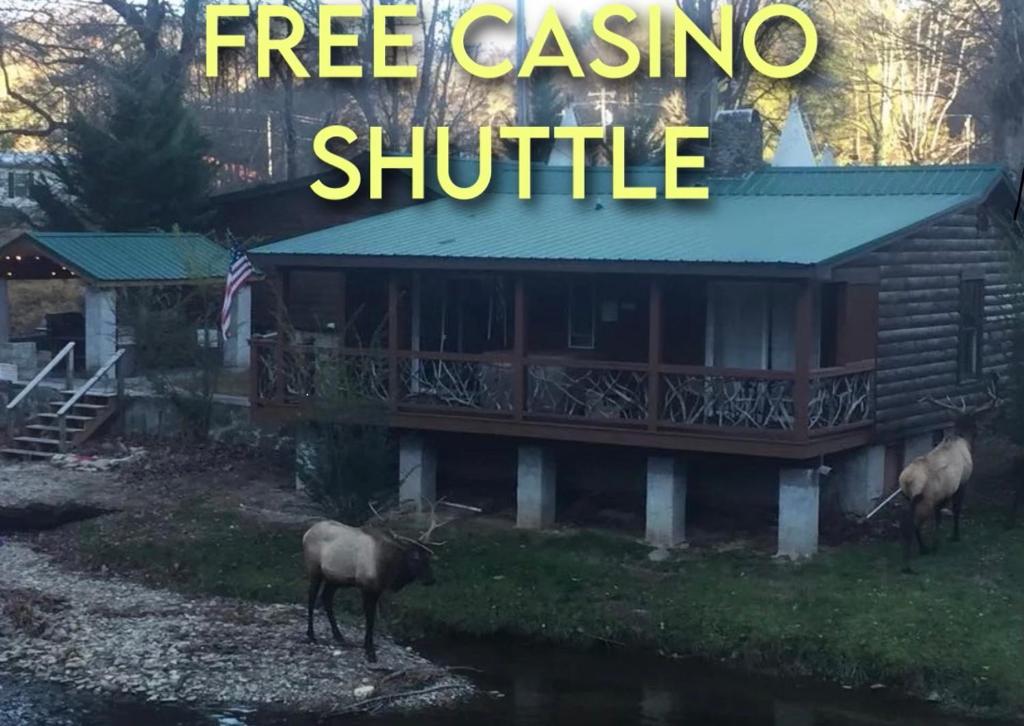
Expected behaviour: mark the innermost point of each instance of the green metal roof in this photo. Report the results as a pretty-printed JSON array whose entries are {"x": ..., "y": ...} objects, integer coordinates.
[
  {"x": 160, "y": 257},
  {"x": 787, "y": 216}
]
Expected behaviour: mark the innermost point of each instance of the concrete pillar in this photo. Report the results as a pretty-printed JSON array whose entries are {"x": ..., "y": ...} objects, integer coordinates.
[
  {"x": 5, "y": 312},
  {"x": 859, "y": 478},
  {"x": 798, "y": 512},
  {"x": 918, "y": 445},
  {"x": 417, "y": 471},
  {"x": 666, "y": 501},
  {"x": 535, "y": 489},
  {"x": 236, "y": 344},
  {"x": 100, "y": 326}
]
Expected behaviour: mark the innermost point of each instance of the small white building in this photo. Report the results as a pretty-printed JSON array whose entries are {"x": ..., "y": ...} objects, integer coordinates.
[{"x": 108, "y": 264}]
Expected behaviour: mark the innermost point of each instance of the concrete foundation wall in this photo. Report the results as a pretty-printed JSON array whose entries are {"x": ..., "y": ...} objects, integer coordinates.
[
  {"x": 23, "y": 355},
  {"x": 857, "y": 479},
  {"x": 159, "y": 417},
  {"x": 918, "y": 445}
]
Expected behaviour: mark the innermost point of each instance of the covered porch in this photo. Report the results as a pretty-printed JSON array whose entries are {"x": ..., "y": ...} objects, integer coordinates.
[
  {"x": 108, "y": 269},
  {"x": 765, "y": 361}
]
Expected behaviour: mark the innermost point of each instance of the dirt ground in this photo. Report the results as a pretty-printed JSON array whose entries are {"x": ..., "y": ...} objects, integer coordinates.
[{"x": 64, "y": 620}]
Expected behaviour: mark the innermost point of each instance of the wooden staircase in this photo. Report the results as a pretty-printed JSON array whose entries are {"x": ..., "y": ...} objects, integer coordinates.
[
  {"x": 69, "y": 421},
  {"x": 39, "y": 438}
]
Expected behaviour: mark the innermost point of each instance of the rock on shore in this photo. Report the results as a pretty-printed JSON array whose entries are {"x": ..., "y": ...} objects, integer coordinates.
[{"x": 106, "y": 635}]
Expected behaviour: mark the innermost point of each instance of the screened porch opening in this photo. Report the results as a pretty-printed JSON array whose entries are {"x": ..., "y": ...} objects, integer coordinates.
[{"x": 666, "y": 354}]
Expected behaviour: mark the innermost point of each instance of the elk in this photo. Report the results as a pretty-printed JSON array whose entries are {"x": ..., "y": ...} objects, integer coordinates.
[
  {"x": 374, "y": 561},
  {"x": 939, "y": 478}
]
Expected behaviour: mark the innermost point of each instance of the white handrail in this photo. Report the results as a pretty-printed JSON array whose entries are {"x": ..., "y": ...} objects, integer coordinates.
[
  {"x": 65, "y": 351},
  {"x": 89, "y": 384}
]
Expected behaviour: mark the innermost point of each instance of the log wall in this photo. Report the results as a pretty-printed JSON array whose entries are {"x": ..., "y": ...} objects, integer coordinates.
[{"x": 918, "y": 318}]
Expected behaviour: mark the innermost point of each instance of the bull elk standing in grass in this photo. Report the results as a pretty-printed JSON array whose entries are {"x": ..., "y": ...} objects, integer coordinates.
[
  {"x": 374, "y": 561},
  {"x": 939, "y": 478}
]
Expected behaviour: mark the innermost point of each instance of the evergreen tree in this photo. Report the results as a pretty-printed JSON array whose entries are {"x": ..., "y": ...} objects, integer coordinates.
[
  {"x": 139, "y": 167},
  {"x": 547, "y": 103}
]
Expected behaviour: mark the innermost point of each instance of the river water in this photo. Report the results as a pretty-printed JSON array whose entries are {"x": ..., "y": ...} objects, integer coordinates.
[{"x": 533, "y": 686}]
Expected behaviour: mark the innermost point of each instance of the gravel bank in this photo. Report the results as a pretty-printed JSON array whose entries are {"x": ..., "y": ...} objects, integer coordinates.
[
  {"x": 108, "y": 636},
  {"x": 39, "y": 496}
]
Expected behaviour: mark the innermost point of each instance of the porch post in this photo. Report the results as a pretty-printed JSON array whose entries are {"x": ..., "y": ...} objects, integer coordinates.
[
  {"x": 804, "y": 335},
  {"x": 236, "y": 345},
  {"x": 342, "y": 308},
  {"x": 100, "y": 326},
  {"x": 654, "y": 356},
  {"x": 519, "y": 350},
  {"x": 5, "y": 312},
  {"x": 281, "y": 312},
  {"x": 393, "y": 340}
]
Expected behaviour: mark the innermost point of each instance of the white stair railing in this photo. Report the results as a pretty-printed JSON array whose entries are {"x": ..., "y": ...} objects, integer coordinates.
[
  {"x": 66, "y": 354},
  {"x": 62, "y": 413}
]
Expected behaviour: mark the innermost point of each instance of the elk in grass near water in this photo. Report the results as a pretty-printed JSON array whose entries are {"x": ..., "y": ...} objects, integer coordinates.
[
  {"x": 939, "y": 478},
  {"x": 369, "y": 559}
]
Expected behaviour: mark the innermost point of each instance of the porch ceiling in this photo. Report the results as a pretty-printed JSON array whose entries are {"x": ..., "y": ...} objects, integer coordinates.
[{"x": 797, "y": 217}]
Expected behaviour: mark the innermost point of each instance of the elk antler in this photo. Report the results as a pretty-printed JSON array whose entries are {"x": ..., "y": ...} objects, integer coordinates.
[
  {"x": 434, "y": 525},
  {"x": 992, "y": 391},
  {"x": 424, "y": 540},
  {"x": 384, "y": 521},
  {"x": 962, "y": 409},
  {"x": 947, "y": 403}
]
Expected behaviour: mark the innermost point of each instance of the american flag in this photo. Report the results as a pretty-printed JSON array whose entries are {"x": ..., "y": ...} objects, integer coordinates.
[{"x": 239, "y": 272}]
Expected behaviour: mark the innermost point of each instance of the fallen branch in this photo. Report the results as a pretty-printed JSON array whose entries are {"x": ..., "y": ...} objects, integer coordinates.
[{"x": 377, "y": 701}]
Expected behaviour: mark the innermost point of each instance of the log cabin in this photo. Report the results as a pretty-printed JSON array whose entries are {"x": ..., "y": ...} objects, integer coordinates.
[{"x": 795, "y": 320}]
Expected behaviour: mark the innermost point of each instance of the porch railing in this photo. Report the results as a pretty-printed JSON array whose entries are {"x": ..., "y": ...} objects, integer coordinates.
[
  {"x": 67, "y": 355},
  {"x": 565, "y": 389}
]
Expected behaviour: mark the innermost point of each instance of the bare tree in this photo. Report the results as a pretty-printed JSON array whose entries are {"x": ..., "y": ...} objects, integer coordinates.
[{"x": 48, "y": 52}]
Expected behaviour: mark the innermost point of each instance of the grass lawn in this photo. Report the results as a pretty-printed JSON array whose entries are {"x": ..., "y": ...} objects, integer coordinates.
[{"x": 955, "y": 629}]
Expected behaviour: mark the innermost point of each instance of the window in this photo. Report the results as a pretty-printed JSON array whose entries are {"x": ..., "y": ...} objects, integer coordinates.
[
  {"x": 582, "y": 323},
  {"x": 972, "y": 302},
  {"x": 18, "y": 184},
  {"x": 752, "y": 326}
]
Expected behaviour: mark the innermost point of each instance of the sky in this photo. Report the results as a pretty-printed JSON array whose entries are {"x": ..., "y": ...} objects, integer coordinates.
[{"x": 571, "y": 10}]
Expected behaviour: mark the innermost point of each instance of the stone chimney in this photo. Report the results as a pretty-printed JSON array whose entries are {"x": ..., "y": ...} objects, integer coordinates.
[{"x": 736, "y": 146}]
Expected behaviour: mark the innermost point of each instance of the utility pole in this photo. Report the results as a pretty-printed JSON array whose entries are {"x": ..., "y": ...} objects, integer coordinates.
[
  {"x": 522, "y": 84},
  {"x": 603, "y": 97}
]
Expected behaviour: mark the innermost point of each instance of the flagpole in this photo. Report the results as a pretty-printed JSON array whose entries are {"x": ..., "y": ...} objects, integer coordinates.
[{"x": 522, "y": 84}]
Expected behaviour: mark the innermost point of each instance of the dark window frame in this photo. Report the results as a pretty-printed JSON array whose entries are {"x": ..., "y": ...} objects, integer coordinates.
[{"x": 970, "y": 330}]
